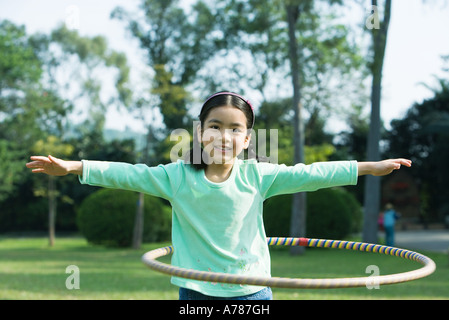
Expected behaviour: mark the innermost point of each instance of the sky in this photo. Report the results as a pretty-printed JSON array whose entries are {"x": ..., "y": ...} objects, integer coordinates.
[{"x": 418, "y": 37}]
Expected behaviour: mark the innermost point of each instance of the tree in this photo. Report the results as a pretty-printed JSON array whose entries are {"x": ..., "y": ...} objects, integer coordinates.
[
  {"x": 176, "y": 47},
  {"x": 351, "y": 143},
  {"x": 20, "y": 71},
  {"x": 294, "y": 10},
  {"x": 19, "y": 65},
  {"x": 10, "y": 168},
  {"x": 73, "y": 66},
  {"x": 289, "y": 39},
  {"x": 423, "y": 134},
  {"x": 372, "y": 184},
  {"x": 42, "y": 79},
  {"x": 74, "y": 69},
  {"x": 52, "y": 145},
  {"x": 298, "y": 217}
]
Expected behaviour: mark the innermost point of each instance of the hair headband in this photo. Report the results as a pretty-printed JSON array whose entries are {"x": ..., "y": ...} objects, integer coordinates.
[{"x": 235, "y": 95}]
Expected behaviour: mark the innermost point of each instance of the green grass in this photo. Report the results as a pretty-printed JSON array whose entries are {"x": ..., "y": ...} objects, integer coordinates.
[{"x": 29, "y": 269}]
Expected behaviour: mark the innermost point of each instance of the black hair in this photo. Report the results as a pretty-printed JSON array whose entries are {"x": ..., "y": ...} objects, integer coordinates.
[{"x": 197, "y": 155}]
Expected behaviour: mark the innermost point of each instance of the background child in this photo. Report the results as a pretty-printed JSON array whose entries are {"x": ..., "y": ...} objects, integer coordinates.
[
  {"x": 389, "y": 220},
  {"x": 216, "y": 198}
]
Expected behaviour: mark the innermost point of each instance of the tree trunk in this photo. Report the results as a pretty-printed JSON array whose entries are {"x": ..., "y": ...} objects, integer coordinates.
[
  {"x": 298, "y": 215},
  {"x": 51, "y": 210},
  {"x": 372, "y": 184},
  {"x": 139, "y": 220},
  {"x": 138, "y": 223}
]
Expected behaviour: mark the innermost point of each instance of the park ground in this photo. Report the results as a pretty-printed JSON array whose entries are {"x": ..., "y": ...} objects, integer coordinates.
[{"x": 31, "y": 270}]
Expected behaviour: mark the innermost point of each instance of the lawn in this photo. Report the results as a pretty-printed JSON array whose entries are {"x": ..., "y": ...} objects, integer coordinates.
[{"x": 29, "y": 269}]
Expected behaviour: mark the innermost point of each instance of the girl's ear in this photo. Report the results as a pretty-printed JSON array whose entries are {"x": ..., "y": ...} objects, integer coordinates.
[
  {"x": 247, "y": 141},
  {"x": 198, "y": 133}
]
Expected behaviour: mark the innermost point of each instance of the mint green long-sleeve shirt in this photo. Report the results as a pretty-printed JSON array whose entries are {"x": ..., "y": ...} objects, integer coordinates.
[{"x": 218, "y": 227}]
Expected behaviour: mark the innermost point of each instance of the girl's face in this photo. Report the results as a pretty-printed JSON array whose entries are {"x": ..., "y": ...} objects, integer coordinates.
[{"x": 224, "y": 135}]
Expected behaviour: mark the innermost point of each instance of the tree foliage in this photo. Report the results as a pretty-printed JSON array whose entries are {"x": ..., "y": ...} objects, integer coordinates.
[
  {"x": 20, "y": 70},
  {"x": 48, "y": 80},
  {"x": 42, "y": 78},
  {"x": 423, "y": 134},
  {"x": 176, "y": 45}
]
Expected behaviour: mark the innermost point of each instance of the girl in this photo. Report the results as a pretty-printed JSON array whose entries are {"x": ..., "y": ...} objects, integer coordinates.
[{"x": 216, "y": 198}]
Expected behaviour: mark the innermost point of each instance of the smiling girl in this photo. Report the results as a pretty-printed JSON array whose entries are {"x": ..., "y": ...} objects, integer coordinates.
[{"x": 216, "y": 198}]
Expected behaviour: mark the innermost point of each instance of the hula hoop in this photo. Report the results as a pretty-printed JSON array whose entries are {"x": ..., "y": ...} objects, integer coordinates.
[{"x": 149, "y": 259}]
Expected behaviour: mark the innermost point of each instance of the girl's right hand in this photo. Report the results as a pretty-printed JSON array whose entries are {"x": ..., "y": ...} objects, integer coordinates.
[{"x": 54, "y": 166}]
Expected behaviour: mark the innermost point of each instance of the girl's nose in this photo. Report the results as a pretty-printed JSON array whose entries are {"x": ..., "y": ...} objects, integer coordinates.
[{"x": 226, "y": 135}]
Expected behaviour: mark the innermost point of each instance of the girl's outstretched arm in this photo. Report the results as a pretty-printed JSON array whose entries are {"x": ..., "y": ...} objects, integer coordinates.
[
  {"x": 382, "y": 168},
  {"x": 54, "y": 166}
]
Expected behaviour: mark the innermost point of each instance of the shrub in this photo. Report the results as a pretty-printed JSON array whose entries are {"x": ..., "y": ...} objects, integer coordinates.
[
  {"x": 332, "y": 213},
  {"x": 355, "y": 209},
  {"x": 328, "y": 214},
  {"x": 277, "y": 213},
  {"x": 106, "y": 217}
]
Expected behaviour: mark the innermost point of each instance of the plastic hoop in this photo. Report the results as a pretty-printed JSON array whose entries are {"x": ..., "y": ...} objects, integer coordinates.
[{"x": 429, "y": 267}]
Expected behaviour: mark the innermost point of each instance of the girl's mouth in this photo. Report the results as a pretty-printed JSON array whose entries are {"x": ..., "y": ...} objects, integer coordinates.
[{"x": 223, "y": 149}]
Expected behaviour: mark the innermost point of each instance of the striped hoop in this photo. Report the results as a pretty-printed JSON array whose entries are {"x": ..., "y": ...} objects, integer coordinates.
[{"x": 428, "y": 268}]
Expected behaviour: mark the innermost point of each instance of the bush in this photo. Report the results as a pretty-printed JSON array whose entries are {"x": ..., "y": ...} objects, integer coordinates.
[
  {"x": 332, "y": 213},
  {"x": 277, "y": 213},
  {"x": 355, "y": 209},
  {"x": 106, "y": 217},
  {"x": 328, "y": 214}
]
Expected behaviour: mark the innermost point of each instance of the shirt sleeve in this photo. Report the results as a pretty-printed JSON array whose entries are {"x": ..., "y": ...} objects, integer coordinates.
[
  {"x": 282, "y": 179},
  {"x": 158, "y": 181}
]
